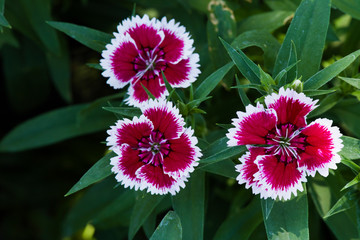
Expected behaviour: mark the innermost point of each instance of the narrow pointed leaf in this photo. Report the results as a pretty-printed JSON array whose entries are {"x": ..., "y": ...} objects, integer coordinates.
[
  {"x": 288, "y": 220},
  {"x": 124, "y": 111},
  {"x": 189, "y": 204},
  {"x": 346, "y": 202},
  {"x": 325, "y": 75},
  {"x": 100, "y": 170},
  {"x": 245, "y": 100},
  {"x": 145, "y": 204},
  {"x": 240, "y": 225},
  {"x": 91, "y": 38},
  {"x": 224, "y": 168},
  {"x": 351, "y": 7},
  {"x": 267, "y": 205},
  {"x": 169, "y": 228},
  {"x": 351, "y": 149},
  {"x": 308, "y": 31},
  {"x": 212, "y": 81},
  {"x": 352, "y": 81},
  {"x": 247, "y": 67},
  {"x": 219, "y": 151},
  {"x": 55, "y": 126},
  {"x": 350, "y": 164},
  {"x": 312, "y": 93},
  {"x": 353, "y": 182}
]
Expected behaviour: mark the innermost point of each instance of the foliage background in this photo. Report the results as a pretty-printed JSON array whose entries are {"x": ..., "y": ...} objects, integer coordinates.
[{"x": 43, "y": 69}]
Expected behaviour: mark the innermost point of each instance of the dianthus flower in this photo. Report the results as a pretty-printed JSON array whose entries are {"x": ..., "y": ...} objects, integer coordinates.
[
  {"x": 141, "y": 49},
  {"x": 155, "y": 151},
  {"x": 282, "y": 148}
]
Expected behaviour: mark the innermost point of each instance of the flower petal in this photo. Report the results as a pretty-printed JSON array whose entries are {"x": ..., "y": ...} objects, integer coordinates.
[
  {"x": 118, "y": 61},
  {"x": 278, "y": 179},
  {"x": 290, "y": 106},
  {"x": 146, "y": 33},
  {"x": 183, "y": 73},
  {"x": 137, "y": 94},
  {"x": 129, "y": 132},
  {"x": 157, "y": 182},
  {"x": 184, "y": 155},
  {"x": 125, "y": 166},
  {"x": 165, "y": 118},
  {"x": 248, "y": 168},
  {"x": 322, "y": 146},
  {"x": 177, "y": 43},
  {"x": 252, "y": 126}
]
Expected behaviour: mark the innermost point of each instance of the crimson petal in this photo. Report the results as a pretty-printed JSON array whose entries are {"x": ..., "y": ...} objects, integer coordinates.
[
  {"x": 322, "y": 146},
  {"x": 278, "y": 179},
  {"x": 252, "y": 126}
]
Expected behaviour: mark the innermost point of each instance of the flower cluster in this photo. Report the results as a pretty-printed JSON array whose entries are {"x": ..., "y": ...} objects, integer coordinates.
[
  {"x": 155, "y": 151},
  {"x": 282, "y": 148},
  {"x": 141, "y": 49}
]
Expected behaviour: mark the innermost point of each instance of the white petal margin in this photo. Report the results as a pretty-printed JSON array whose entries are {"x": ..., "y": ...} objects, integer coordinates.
[
  {"x": 132, "y": 101},
  {"x": 249, "y": 110},
  {"x": 120, "y": 177},
  {"x": 112, "y": 139},
  {"x": 106, "y": 62},
  {"x": 136, "y": 21},
  {"x": 195, "y": 160},
  {"x": 266, "y": 189},
  {"x": 180, "y": 33},
  {"x": 256, "y": 189},
  {"x": 173, "y": 189},
  {"x": 290, "y": 94},
  {"x": 168, "y": 106},
  {"x": 337, "y": 146},
  {"x": 193, "y": 73}
]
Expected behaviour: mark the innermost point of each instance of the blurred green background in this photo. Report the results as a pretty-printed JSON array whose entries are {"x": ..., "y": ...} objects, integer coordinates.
[{"x": 42, "y": 69}]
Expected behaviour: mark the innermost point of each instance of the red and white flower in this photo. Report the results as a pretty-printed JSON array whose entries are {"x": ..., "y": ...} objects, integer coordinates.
[
  {"x": 155, "y": 151},
  {"x": 283, "y": 148},
  {"x": 141, "y": 49}
]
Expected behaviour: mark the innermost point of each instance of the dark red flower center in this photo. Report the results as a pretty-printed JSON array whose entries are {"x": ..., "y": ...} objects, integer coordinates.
[
  {"x": 287, "y": 142},
  {"x": 153, "y": 148},
  {"x": 149, "y": 63}
]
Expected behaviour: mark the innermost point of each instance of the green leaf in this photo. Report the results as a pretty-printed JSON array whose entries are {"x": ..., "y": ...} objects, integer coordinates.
[
  {"x": 292, "y": 73},
  {"x": 241, "y": 224},
  {"x": 325, "y": 193},
  {"x": 288, "y": 219},
  {"x": 312, "y": 93},
  {"x": 284, "y": 5},
  {"x": 350, "y": 164},
  {"x": 247, "y": 67},
  {"x": 353, "y": 182},
  {"x": 224, "y": 168},
  {"x": 245, "y": 100},
  {"x": 124, "y": 111},
  {"x": 221, "y": 24},
  {"x": 97, "y": 198},
  {"x": 351, "y": 7},
  {"x": 262, "y": 39},
  {"x": 117, "y": 212},
  {"x": 269, "y": 21},
  {"x": 267, "y": 205},
  {"x": 3, "y": 21},
  {"x": 38, "y": 12},
  {"x": 172, "y": 92},
  {"x": 218, "y": 151},
  {"x": 53, "y": 127},
  {"x": 346, "y": 202},
  {"x": 100, "y": 170},
  {"x": 189, "y": 204},
  {"x": 59, "y": 66},
  {"x": 326, "y": 104},
  {"x": 169, "y": 228},
  {"x": 308, "y": 31},
  {"x": 91, "y": 38},
  {"x": 325, "y": 75},
  {"x": 351, "y": 149},
  {"x": 145, "y": 204},
  {"x": 150, "y": 95},
  {"x": 352, "y": 81},
  {"x": 205, "y": 88}
]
